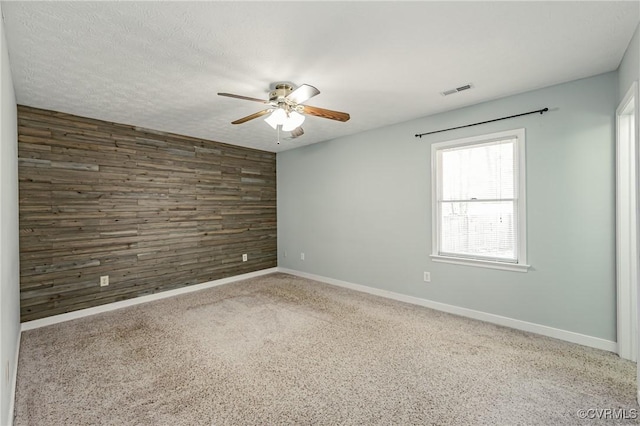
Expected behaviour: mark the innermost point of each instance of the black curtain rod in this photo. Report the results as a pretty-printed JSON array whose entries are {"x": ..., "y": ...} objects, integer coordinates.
[{"x": 541, "y": 111}]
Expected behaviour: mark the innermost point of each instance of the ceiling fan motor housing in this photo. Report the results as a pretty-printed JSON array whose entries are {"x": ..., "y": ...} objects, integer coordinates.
[{"x": 280, "y": 92}]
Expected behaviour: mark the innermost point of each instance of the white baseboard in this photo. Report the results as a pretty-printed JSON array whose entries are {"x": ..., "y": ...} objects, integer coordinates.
[
  {"x": 14, "y": 383},
  {"x": 569, "y": 336},
  {"x": 30, "y": 325}
]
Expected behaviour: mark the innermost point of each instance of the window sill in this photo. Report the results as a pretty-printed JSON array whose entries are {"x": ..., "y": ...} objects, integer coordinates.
[{"x": 517, "y": 267}]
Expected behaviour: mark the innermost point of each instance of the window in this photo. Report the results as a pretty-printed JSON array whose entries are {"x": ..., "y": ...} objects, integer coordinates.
[{"x": 479, "y": 201}]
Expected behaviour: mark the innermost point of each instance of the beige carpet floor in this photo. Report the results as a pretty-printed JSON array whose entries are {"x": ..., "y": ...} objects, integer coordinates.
[{"x": 284, "y": 350}]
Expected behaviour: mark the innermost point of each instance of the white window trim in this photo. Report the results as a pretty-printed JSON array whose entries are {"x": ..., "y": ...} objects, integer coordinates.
[{"x": 521, "y": 265}]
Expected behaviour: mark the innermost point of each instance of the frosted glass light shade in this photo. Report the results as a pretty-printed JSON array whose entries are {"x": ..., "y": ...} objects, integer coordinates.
[
  {"x": 294, "y": 121},
  {"x": 288, "y": 121},
  {"x": 276, "y": 118}
]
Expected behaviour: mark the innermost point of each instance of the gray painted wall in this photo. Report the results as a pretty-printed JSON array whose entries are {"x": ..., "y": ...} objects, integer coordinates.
[
  {"x": 9, "y": 263},
  {"x": 359, "y": 207}
]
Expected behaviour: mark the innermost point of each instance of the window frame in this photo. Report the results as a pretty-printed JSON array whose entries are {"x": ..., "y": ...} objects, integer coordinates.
[{"x": 520, "y": 193}]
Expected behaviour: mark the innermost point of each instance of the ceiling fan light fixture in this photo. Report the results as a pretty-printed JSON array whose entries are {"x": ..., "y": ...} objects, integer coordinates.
[
  {"x": 292, "y": 122},
  {"x": 277, "y": 118}
]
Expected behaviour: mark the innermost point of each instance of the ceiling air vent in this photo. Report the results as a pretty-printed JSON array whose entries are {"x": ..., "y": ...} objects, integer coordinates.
[{"x": 457, "y": 89}]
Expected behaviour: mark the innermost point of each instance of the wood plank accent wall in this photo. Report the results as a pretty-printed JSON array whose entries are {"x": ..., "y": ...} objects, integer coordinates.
[{"x": 154, "y": 211}]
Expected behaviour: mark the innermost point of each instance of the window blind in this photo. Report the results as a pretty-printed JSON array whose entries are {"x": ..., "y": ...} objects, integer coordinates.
[{"x": 478, "y": 201}]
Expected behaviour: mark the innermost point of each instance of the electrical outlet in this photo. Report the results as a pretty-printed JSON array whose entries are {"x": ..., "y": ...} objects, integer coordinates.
[
  {"x": 427, "y": 277},
  {"x": 285, "y": 253},
  {"x": 104, "y": 280},
  {"x": 301, "y": 256},
  {"x": 244, "y": 257}
]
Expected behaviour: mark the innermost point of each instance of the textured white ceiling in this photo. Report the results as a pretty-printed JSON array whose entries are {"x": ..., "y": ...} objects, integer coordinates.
[{"x": 159, "y": 65}]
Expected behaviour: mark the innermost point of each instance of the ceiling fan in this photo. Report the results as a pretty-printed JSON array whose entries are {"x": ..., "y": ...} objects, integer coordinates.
[{"x": 286, "y": 110}]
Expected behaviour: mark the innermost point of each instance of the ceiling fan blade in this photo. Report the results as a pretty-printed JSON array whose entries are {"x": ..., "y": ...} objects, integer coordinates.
[
  {"x": 251, "y": 117},
  {"x": 325, "y": 113},
  {"x": 297, "y": 132},
  {"x": 302, "y": 94},
  {"x": 246, "y": 98}
]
